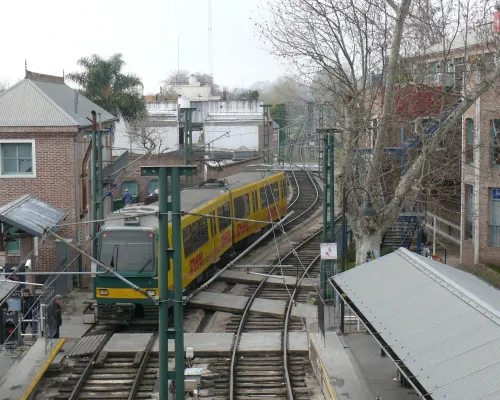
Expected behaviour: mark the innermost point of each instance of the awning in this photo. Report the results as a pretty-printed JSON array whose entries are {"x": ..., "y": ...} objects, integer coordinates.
[{"x": 31, "y": 215}]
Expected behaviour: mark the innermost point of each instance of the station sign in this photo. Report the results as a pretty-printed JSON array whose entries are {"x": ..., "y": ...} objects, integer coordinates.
[
  {"x": 16, "y": 294},
  {"x": 328, "y": 251}
]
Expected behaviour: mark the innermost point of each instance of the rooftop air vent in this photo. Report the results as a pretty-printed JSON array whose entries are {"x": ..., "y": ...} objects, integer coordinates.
[{"x": 131, "y": 221}]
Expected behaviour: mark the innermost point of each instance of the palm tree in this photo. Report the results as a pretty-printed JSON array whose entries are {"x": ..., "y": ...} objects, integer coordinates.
[{"x": 103, "y": 82}]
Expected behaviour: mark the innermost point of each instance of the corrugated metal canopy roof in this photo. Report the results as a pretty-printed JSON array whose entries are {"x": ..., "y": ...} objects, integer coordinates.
[
  {"x": 39, "y": 103},
  {"x": 30, "y": 215},
  {"x": 443, "y": 323}
]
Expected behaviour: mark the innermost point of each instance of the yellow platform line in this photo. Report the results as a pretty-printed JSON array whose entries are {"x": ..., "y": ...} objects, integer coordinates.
[
  {"x": 42, "y": 370},
  {"x": 329, "y": 386}
]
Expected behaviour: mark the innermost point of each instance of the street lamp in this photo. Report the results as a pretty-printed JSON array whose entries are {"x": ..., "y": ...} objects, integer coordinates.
[{"x": 368, "y": 211}]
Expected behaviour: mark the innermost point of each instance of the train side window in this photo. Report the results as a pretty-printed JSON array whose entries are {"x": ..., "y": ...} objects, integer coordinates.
[
  {"x": 194, "y": 234},
  {"x": 188, "y": 243},
  {"x": 276, "y": 192},
  {"x": 212, "y": 223},
  {"x": 224, "y": 211},
  {"x": 263, "y": 197},
  {"x": 254, "y": 201},
  {"x": 269, "y": 194},
  {"x": 242, "y": 206},
  {"x": 202, "y": 234}
]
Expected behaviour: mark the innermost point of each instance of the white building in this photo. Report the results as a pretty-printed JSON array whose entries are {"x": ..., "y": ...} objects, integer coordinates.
[
  {"x": 221, "y": 124},
  {"x": 195, "y": 90}
]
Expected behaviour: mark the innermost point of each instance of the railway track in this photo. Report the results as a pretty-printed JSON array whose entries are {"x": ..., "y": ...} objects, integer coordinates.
[
  {"x": 278, "y": 375},
  {"x": 105, "y": 375},
  {"x": 133, "y": 375}
]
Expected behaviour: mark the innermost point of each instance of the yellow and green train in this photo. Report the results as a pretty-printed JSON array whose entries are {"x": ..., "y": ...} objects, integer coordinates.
[{"x": 129, "y": 245}]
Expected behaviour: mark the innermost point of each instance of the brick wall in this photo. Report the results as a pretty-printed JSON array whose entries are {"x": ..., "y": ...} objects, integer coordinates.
[
  {"x": 482, "y": 173},
  {"x": 133, "y": 171},
  {"x": 54, "y": 184}
]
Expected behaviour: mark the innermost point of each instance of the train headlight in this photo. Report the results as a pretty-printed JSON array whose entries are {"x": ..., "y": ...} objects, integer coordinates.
[
  {"x": 151, "y": 292},
  {"x": 103, "y": 292}
]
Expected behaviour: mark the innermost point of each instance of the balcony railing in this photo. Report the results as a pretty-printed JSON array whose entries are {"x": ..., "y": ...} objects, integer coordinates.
[{"x": 494, "y": 236}]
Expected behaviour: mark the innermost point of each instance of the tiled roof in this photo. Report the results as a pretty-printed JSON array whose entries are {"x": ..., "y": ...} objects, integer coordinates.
[{"x": 46, "y": 104}]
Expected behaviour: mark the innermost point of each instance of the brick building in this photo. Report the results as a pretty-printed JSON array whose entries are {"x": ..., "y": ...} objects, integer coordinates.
[
  {"x": 466, "y": 62},
  {"x": 42, "y": 154}
]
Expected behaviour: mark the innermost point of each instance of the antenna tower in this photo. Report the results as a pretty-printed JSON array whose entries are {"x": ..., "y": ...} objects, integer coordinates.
[{"x": 210, "y": 61}]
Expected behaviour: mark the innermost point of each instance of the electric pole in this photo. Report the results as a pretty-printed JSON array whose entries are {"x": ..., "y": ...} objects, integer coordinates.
[
  {"x": 267, "y": 159},
  {"x": 188, "y": 142},
  {"x": 165, "y": 255},
  {"x": 328, "y": 266}
]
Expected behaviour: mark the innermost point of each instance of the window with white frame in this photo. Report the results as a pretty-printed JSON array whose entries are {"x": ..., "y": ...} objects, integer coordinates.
[{"x": 17, "y": 158}]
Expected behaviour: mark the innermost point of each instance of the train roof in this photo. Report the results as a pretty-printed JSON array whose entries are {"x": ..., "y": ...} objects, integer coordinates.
[
  {"x": 191, "y": 199},
  {"x": 244, "y": 178}
]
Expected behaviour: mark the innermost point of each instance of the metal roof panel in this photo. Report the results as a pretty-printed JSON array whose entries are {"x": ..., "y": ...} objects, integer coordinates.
[
  {"x": 444, "y": 324},
  {"x": 25, "y": 104},
  {"x": 30, "y": 215}
]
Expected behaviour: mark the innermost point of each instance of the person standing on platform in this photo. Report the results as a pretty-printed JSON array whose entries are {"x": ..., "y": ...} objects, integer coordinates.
[
  {"x": 27, "y": 306},
  {"x": 58, "y": 320}
]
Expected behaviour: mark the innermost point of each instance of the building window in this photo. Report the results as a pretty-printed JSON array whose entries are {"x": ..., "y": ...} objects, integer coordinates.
[
  {"x": 495, "y": 141},
  {"x": 469, "y": 146},
  {"x": 494, "y": 237},
  {"x": 469, "y": 193},
  {"x": 132, "y": 187},
  {"x": 17, "y": 158},
  {"x": 152, "y": 185},
  {"x": 11, "y": 245}
]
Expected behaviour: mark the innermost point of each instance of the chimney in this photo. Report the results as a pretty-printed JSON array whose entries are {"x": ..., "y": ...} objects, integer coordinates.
[
  {"x": 76, "y": 102},
  {"x": 94, "y": 121}
]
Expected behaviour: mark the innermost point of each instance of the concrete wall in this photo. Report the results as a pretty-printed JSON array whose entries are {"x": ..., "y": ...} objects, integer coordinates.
[{"x": 239, "y": 135}]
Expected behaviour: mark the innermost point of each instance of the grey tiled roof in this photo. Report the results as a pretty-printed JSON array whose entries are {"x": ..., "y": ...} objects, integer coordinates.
[{"x": 46, "y": 104}]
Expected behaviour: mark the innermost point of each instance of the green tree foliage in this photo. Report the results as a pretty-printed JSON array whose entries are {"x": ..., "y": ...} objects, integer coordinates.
[{"x": 104, "y": 82}]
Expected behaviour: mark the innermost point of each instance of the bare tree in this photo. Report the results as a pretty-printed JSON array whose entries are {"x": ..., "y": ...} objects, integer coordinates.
[
  {"x": 147, "y": 137},
  {"x": 362, "y": 58},
  {"x": 181, "y": 77},
  {"x": 4, "y": 85}
]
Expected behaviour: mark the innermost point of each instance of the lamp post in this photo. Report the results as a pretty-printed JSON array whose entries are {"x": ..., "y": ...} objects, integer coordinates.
[{"x": 368, "y": 211}]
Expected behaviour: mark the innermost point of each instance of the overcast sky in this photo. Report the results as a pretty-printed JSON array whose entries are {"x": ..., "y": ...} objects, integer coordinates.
[{"x": 51, "y": 35}]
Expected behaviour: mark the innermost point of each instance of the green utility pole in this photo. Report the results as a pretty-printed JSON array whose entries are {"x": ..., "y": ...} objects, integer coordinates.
[
  {"x": 97, "y": 190},
  {"x": 93, "y": 205},
  {"x": 310, "y": 112},
  {"x": 188, "y": 142},
  {"x": 328, "y": 266},
  {"x": 267, "y": 159},
  {"x": 165, "y": 255},
  {"x": 320, "y": 151},
  {"x": 281, "y": 120},
  {"x": 99, "y": 174}
]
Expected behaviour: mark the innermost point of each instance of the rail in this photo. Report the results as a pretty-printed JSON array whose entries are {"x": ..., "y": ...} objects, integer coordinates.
[
  {"x": 88, "y": 368},
  {"x": 142, "y": 367}
]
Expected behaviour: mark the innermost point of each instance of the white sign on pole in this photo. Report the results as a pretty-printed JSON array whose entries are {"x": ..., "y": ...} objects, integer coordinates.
[
  {"x": 328, "y": 251},
  {"x": 93, "y": 269}
]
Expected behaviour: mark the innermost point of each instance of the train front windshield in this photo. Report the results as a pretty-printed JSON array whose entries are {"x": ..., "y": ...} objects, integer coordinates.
[{"x": 128, "y": 251}]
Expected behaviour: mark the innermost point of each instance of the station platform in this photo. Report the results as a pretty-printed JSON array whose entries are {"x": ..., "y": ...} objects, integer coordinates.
[
  {"x": 234, "y": 276},
  {"x": 236, "y": 304},
  {"x": 20, "y": 372},
  {"x": 220, "y": 344}
]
